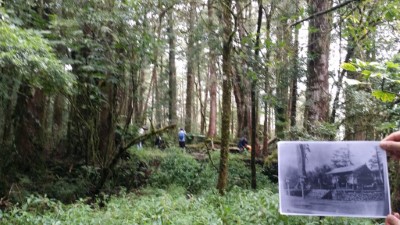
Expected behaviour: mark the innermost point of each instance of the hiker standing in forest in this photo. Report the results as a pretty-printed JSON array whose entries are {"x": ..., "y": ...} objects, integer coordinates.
[
  {"x": 391, "y": 144},
  {"x": 141, "y": 132},
  {"x": 182, "y": 138}
]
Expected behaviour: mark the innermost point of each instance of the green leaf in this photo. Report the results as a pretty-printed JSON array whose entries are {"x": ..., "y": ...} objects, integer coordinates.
[
  {"x": 392, "y": 65},
  {"x": 384, "y": 96},
  {"x": 366, "y": 73},
  {"x": 349, "y": 67}
]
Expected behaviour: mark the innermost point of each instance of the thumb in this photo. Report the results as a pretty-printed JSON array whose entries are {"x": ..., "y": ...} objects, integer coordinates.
[
  {"x": 392, "y": 220},
  {"x": 390, "y": 146}
]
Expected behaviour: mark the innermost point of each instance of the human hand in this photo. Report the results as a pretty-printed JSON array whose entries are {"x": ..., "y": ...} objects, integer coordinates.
[
  {"x": 391, "y": 144},
  {"x": 393, "y": 219}
]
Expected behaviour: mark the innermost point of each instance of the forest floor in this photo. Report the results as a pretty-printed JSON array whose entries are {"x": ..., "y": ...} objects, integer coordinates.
[{"x": 179, "y": 189}]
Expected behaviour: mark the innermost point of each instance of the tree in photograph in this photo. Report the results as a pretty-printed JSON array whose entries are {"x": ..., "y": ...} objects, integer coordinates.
[
  {"x": 319, "y": 177},
  {"x": 376, "y": 163},
  {"x": 342, "y": 158},
  {"x": 302, "y": 160},
  {"x": 303, "y": 149}
]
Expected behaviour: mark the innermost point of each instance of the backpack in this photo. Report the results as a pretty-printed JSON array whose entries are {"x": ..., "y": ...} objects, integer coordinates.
[{"x": 181, "y": 136}]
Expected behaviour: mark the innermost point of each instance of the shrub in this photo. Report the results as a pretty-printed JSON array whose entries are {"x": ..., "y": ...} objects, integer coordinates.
[{"x": 182, "y": 170}]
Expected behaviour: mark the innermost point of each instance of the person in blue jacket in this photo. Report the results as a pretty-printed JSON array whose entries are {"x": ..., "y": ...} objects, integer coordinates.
[
  {"x": 243, "y": 144},
  {"x": 182, "y": 138}
]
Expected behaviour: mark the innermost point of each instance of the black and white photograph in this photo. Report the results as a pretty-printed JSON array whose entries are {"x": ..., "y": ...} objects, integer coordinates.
[{"x": 347, "y": 179}]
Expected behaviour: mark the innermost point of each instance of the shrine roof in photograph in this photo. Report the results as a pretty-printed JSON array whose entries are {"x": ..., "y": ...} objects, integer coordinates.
[{"x": 346, "y": 169}]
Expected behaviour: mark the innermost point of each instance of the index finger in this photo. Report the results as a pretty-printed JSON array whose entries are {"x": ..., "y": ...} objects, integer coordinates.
[{"x": 393, "y": 137}]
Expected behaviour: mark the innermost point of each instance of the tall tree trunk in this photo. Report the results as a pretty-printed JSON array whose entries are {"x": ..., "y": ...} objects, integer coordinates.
[
  {"x": 107, "y": 127},
  {"x": 317, "y": 93},
  {"x": 9, "y": 104},
  {"x": 190, "y": 68},
  {"x": 282, "y": 81},
  {"x": 212, "y": 124},
  {"x": 303, "y": 154},
  {"x": 172, "y": 116},
  {"x": 157, "y": 95},
  {"x": 202, "y": 103},
  {"x": 267, "y": 89},
  {"x": 339, "y": 86},
  {"x": 58, "y": 114},
  {"x": 254, "y": 102},
  {"x": 241, "y": 85},
  {"x": 295, "y": 75},
  {"x": 27, "y": 116},
  {"x": 226, "y": 94}
]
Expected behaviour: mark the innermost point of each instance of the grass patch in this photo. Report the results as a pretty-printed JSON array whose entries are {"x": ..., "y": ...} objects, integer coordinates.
[{"x": 171, "y": 206}]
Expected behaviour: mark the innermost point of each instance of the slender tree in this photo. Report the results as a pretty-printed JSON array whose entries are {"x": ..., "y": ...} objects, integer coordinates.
[
  {"x": 172, "y": 93},
  {"x": 212, "y": 70},
  {"x": 295, "y": 75},
  {"x": 282, "y": 70},
  {"x": 226, "y": 93},
  {"x": 190, "y": 67},
  {"x": 254, "y": 101},
  {"x": 267, "y": 89}
]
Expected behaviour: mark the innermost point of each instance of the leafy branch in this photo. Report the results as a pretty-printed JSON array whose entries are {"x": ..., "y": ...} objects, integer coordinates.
[{"x": 388, "y": 72}]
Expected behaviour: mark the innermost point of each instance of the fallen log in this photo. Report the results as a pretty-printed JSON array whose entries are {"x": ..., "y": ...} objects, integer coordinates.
[
  {"x": 105, "y": 172},
  {"x": 147, "y": 136}
]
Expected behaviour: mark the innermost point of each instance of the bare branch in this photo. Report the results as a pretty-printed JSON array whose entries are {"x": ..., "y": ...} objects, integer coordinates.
[{"x": 324, "y": 12}]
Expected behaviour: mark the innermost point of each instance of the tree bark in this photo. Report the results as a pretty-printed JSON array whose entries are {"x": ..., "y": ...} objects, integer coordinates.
[
  {"x": 226, "y": 94},
  {"x": 172, "y": 93},
  {"x": 190, "y": 69},
  {"x": 295, "y": 75},
  {"x": 254, "y": 101},
  {"x": 241, "y": 85},
  {"x": 58, "y": 114},
  {"x": 317, "y": 92},
  {"x": 267, "y": 89},
  {"x": 282, "y": 81},
  {"x": 212, "y": 124}
]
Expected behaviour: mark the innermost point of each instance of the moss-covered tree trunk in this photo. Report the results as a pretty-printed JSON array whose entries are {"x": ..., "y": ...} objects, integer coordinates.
[
  {"x": 226, "y": 94},
  {"x": 212, "y": 44},
  {"x": 254, "y": 102},
  {"x": 282, "y": 76}
]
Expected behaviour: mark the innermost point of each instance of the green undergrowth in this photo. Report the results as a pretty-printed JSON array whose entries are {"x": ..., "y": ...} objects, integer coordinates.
[
  {"x": 175, "y": 167},
  {"x": 173, "y": 187},
  {"x": 167, "y": 206}
]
